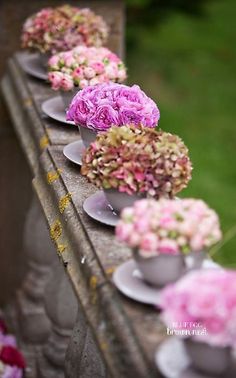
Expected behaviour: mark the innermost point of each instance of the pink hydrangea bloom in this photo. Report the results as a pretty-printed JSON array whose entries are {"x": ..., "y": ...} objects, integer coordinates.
[
  {"x": 208, "y": 298},
  {"x": 114, "y": 104},
  {"x": 132, "y": 158},
  {"x": 62, "y": 28},
  {"x": 177, "y": 225}
]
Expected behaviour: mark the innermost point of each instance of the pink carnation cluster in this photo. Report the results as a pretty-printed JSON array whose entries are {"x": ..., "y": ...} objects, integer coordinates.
[
  {"x": 168, "y": 226},
  {"x": 63, "y": 28},
  {"x": 206, "y": 298},
  {"x": 11, "y": 360},
  {"x": 85, "y": 66},
  {"x": 101, "y": 106}
]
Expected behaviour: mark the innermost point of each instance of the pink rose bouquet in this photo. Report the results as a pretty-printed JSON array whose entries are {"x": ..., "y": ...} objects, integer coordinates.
[
  {"x": 63, "y": 28},
  {"x": 206, "y": 298},
  {"x": 136, "y": 159},
  {"x": 84, "y": 66},
  {"x": 101, "y": 106},
  {"x": 168, "y": 226}
]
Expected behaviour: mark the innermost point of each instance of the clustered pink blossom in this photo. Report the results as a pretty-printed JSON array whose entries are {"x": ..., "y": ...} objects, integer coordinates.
[
  {"x": 11, "y": 361},
  {"x": 85, "y": 66},
  {"x": 137, "y": 159},
  {"x": 207, "y": 298},
  {"x": 63, "y": 28},
  {"x": 168, "y": 226},
  {"x": 101, "y": 106}
]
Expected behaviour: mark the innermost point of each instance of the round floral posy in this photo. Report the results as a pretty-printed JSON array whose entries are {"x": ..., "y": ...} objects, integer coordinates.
[
  {"x": 100, "y": 106},
  {"x": 63, "y": 28},
  {"x": 168, "y": 226},
  {"x": 84, "y": 66},
  {"x": 136, "y": 159},
  {"x": 208, "y": 298}
]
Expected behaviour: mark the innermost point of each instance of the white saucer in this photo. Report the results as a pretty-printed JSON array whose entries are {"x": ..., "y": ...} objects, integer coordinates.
[
  {"x": 74, "y": 152},
  {"x": 128, "y": 279},
  {"x": 32, "y": 65},
  {"x": 173, "y": 362},
  {"x": 55, "y": 109},
  {"x": 97, "y": 207}
]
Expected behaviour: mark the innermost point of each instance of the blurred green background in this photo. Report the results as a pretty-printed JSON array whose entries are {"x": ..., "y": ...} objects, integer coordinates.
[{"x": 183, "y": 54}]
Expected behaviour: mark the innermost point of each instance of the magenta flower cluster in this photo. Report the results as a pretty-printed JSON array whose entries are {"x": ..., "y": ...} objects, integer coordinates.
[
  {"x": 168, "y": 226},
  {"x": 206, "y": 298},
  {"x": 101, "y": 106}
]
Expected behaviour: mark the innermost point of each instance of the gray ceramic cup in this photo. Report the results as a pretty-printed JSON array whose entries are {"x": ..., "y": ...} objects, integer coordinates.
[
  {"x": 67, "y": 96},
  {"x": 118, "y": 201},
  {"x": 162, "y": 269},
  {"x": 87, "y": 135},
  {"x": 208, "y": 359},
  {"x": 44, "y": 57}
]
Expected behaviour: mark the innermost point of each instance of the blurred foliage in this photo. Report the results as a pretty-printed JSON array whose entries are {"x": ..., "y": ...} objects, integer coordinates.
[{"x": 183, "y": 54}]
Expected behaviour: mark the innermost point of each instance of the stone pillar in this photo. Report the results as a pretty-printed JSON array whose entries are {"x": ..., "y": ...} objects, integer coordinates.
[
  {"x": 26, "y": 314},
  {"x": 29, "y": 303},
  {"x": 61, "y": 306}
]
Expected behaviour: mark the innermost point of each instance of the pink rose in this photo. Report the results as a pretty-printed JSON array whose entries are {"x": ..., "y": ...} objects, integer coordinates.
[
  {"x": 104, "y": 117},
  {"x": 122, "y": 75},
  {"x": 89, "y": 73},
  {"x": 123, "y": 231},
  {"x": 134, "y": 239},
  {"x": 98, "y": 67},
  {"x": 95, "y": 81},
  {"x": 149, "y": 242},
  {"x": 127, "y": 213},
  {"x": 113, "y": 58},
  {"x": 78, "y": 73},
  {"x": 168, "y": 246},
  {"x": 79, "y": 110},
  {"x": 67, "y": 82},
  {"x": 56, "y": 79},
  {"x": 111, "y": 72},
  {"x": 83, "y": 83},
  {"x": 142, "y": 225},
  {"x": 129, "y": 116},
  {"x": 197, "y": 242},
  {"x": 53, "y": 61},
  {"x": 69, "y": 61}
]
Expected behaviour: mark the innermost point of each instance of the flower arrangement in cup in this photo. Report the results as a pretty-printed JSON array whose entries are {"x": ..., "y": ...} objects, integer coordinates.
[
  {"x": 130, "y": 162},
  {"x": 97, "y": 108},
  {"x": 63, "y": 28},
  {"x": 166, "y": 230},
  {"x": 12, "y": 363},
  {"x": 201, "y": 308},
  {"x": 84, "y": 66}
]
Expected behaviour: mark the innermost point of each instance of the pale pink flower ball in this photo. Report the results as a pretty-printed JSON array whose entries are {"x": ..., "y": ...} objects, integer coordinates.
[
  {"x": 205, "y": 297},
  {"x": 175, "y": 226}
]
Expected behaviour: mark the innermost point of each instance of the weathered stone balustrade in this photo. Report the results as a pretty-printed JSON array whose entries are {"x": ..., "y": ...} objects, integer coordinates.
[{"x": 69, "y": 318}]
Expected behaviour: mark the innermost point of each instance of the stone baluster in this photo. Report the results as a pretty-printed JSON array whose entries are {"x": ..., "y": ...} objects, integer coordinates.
[
  {"x": 61, "y": 306},
  {"x": 26, "y": 314}
]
